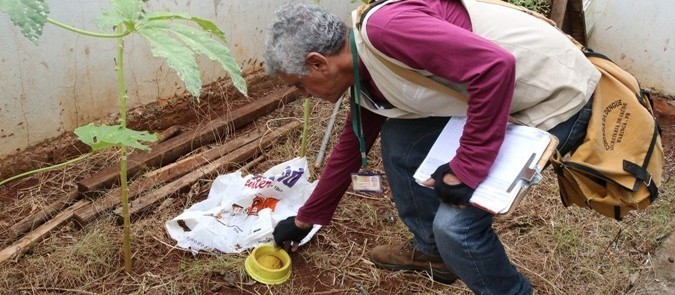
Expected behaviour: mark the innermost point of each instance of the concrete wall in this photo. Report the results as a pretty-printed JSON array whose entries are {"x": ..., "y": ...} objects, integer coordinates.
[
  {"x": 639, "y": 36},
  {"x": 68, "y": 80}
]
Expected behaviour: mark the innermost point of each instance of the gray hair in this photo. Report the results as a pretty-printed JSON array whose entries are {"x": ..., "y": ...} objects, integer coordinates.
[{"x": 298, "y": 29}]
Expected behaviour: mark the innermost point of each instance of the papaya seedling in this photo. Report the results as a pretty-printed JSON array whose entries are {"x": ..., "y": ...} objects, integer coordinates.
[{"x": 169, "y": 38}]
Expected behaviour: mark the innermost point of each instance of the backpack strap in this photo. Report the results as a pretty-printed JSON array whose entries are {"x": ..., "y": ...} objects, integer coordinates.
[
  {"x": 617, "y": 213},
  {"x": 645, "y": 98},
  {"x": 641, "y": 173},
  {"x": 407, "y": 74},
  {"x": 365, "y": 8}
]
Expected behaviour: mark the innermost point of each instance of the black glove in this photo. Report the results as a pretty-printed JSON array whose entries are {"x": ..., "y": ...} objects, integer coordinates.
[
  {"x": 286, "y": 230},
  {"x": 457, "y": 194}
]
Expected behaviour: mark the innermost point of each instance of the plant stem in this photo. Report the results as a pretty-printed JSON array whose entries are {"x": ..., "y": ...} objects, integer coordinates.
[
  {"x": 88, "y": 33},
  {"x": 125, "y": 210},
  {"x": 124, "y": 189},
  {"x": 303, "y": 145},
  {"x": 71, "y": 161}
]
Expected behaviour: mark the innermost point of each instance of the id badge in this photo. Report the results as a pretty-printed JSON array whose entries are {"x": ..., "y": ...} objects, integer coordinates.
[{"x": 368, "y": 182}]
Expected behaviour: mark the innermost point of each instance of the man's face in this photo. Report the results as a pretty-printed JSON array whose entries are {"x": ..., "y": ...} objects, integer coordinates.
[
  {"x": 315, "y": 85},
  {"x": 322, "y": 81}
]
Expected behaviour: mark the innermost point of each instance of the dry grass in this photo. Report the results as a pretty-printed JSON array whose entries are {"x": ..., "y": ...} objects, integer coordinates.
[{"x": 562, "y": 251}]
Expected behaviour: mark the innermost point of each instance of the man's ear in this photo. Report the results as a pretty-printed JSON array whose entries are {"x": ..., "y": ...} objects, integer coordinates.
[{"x": 316, "y": 61}]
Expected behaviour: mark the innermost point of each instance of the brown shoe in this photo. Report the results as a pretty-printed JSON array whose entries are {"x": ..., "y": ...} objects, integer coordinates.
[{"x": 405, "y": 257}]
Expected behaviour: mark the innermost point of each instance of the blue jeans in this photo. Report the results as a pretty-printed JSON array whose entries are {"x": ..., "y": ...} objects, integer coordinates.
[{"x": 464, "y": 238}]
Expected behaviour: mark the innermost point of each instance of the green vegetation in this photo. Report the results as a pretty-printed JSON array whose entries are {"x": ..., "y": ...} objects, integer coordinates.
[
  {"x": 175, "y": 42},
  {"x": 540, "y": 6}
]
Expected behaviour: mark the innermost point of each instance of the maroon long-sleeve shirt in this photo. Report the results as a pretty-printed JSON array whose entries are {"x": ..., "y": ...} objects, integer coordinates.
[{"x": 431, "y": 35}]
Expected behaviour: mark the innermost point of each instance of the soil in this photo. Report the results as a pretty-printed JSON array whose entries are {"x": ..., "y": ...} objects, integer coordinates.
[
  {"x": 363, "y": 221},
  {"x": 664, "y": 260}
]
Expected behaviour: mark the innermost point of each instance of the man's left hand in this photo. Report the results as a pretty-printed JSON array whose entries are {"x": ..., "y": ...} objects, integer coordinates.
[{"x": 448, "y": 187}]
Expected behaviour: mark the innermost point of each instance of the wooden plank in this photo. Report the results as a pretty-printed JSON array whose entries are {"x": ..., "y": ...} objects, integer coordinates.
[
  {"x": 168, "y": 133},
  {"x": 239, "y": 155},
  {"x": 39, "y": 234},
  {"x": 576, "y": 21},
  {"x": 33, "y": 220},
  {"x": 183, "y": 166},
  {"x": 169, "y": 201},
  {"x": 86, "y": 215},
  {"x": 558, "y": 9},
  {"x": 41, "y": 216},
  {"x": 175, "y": 147},
  {"x": 253, "y": 163}
]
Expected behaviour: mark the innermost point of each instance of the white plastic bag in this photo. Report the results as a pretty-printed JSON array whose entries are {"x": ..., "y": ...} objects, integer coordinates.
[{"x": 241, "y": 212}]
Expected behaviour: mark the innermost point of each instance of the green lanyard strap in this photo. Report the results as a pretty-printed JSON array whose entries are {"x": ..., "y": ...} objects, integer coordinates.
[{"x": 355, "y": 93}]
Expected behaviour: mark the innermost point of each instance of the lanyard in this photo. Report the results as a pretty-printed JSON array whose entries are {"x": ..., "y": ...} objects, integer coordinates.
[{"x": 355, "y": 93}]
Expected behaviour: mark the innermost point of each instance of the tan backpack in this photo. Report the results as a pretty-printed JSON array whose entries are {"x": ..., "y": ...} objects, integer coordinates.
[{"x": 618, "y": 166}]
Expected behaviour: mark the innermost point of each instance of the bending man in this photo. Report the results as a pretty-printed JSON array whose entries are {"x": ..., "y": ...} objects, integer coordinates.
[{"x": 497, "y": 61}]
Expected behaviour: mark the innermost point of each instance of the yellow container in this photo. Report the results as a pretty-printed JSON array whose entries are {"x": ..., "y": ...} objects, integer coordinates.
[{"x": 268, "y": 264}]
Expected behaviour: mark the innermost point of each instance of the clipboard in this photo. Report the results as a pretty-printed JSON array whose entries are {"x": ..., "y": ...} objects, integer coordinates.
[
  {"x": 529, "y": 176},
  {"x": 506, "y": 185}
]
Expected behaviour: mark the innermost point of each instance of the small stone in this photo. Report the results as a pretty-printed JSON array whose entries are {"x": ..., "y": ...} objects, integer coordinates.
[
  {"x": 671, "y": 259},
  {"x": 230, "y": 278},
  {"x": 389, "y": 217},
  {"x": 216, "y": 288}
]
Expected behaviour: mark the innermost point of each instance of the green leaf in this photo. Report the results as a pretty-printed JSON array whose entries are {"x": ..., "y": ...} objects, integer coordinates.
[
  {"x": 130, "y": 10},
  {"x": 99, "y": 137},
  {"x": 109, "y": 19},
  {"x": 177, "y": 55},
  {"x": 202, "y": 43},
  {"x": 121, "y": 11},
  {"x": 206, "y": 25},
  {"x": 29, "y": 15}
]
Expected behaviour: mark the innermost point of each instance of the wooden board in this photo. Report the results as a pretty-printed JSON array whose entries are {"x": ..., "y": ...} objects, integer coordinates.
[
  {"x": 175, "y": 147},
  {"x": 40, "y": 233},
  {"x": 33, "y": 220},
  {"x": 239, "y": 155},
  {"x": 87, "y": 214},
  {"x": 558, "y": 9}
]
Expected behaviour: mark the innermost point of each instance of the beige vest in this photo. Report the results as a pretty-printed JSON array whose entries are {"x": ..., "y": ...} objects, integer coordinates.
[{"x": 553, "y": 77}]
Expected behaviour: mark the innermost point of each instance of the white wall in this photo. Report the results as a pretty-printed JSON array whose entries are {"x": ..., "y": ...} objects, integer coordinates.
[
  {"x": 640, "y": 37},
  {"x": 68, "y": 80}
]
